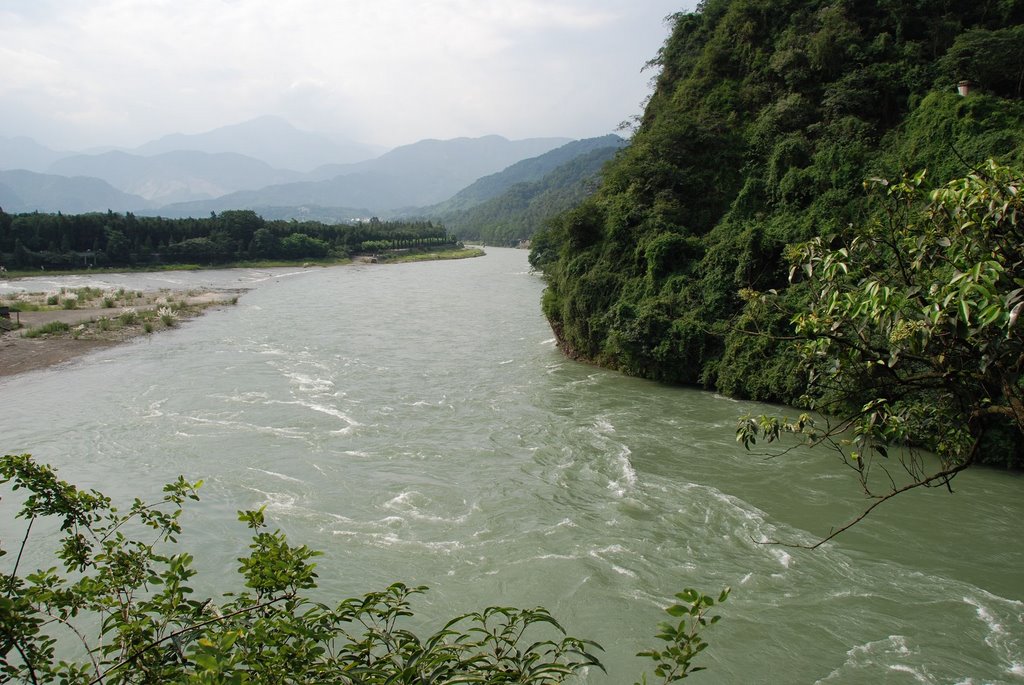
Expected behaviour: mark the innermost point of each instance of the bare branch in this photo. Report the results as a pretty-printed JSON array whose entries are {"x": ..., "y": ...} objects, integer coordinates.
[{"x": 943, "y": 477}]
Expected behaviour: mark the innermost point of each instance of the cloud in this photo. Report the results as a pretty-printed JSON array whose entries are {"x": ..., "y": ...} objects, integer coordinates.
[{"x": 388, "y": 71}]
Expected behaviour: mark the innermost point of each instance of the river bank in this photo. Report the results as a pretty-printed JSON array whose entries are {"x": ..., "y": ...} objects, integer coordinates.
[
  {"x": 387, "y": 256},
  {"x": 52, "y": 325},
  {"x": 51, "y": 328}
]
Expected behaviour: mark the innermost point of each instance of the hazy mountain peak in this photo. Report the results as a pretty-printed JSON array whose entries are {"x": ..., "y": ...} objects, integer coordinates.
[
  {"x": 22, "y": 152},
  {"x": 176, "y": 176},
  {"x": 268, "y": 138},
  {"x": 422, "y": 173},
  {"x": 27, "y": 191}
]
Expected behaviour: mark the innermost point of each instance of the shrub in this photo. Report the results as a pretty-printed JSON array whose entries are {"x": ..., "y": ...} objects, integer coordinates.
[
  {"x": 167, "y": 316},
  {"x": 128, "y": 316}
]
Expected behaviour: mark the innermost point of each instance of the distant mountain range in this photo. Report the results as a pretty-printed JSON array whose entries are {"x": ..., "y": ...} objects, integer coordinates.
[
  {"x": 25, "y": 153},
  {"x": 176, "y": 176},
  {"x": 28, "y": 191},
  {"x": 271, "y": 139},
  {"x": 502, "y": 210},
  {"x": 415, "y": 175},
  {"x": 271, "y": 167}
]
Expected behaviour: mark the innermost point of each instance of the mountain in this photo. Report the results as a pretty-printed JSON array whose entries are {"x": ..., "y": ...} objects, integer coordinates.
[
  {"x": 466, "y": 159},
  {"x": 270, "y": 139},
  {"x": 415, "y": 175},
  {"x": 24, "y": 153},
  {"x": 522, "y": 209},
  {"x": 174, "y": 176},
  {"x": 765, "y": 122},
  {"x": 532, "y": 169},
  {"x": 27, "y": 191}
]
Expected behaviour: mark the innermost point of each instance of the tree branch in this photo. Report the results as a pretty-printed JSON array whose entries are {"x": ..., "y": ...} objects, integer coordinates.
[
  {"x": 944, "y": 476},
  {"x": 202, "y": 624},
  {"x": 21, "y": 550}
]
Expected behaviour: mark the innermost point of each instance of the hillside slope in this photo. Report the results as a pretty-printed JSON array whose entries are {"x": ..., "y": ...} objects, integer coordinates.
[
  {"x": 27, "y": 191},
  {"x": 524, "y": 171},
  {"x": 524, "y": 208},
  {"x": 767, "y": 117}
]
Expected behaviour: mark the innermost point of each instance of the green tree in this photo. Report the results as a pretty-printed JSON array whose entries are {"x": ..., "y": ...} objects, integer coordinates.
[
  {"x": 765, "y": 119},
  {"x": 21, "y": 257},
  {"x": 299, "y": 245},
  {"x": 992, "y": 60},
  {"x": 264, "y": 243},
  {"x": 118, "y": 247},
  {"x": 912, "y": 338}
]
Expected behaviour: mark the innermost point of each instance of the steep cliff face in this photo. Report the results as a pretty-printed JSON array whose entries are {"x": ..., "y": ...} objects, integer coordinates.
[{"x": 767, "y": 117}]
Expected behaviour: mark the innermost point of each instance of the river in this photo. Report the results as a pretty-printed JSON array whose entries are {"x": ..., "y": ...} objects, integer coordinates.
[{"x": 416, "y": 423}]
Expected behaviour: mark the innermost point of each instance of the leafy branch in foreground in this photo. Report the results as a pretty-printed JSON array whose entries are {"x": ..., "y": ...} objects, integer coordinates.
[
  {"x": 912, "y": 339},
  {"x": 122, "y": 610},
  {"x": 683, "y": 641}
]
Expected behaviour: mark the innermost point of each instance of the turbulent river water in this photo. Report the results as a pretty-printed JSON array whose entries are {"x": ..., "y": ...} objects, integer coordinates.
[{"x": 416, "y": 423}]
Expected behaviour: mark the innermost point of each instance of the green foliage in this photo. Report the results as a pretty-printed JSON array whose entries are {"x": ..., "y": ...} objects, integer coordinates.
[
  {"x": 765, "y": 121},
  {"x": 120, "y": 608},
  {"x": 911, "y": 335},
  {"x": 519, "y": 212},
  {"x": 108, "y": 240},
  {"x": 46, "y": 329},
  {"x": 683, "y": 640},
  {"x": 128, "y": 316},
  {"x": 167, "y": 316},
  {"x": 993, "y": 61}
]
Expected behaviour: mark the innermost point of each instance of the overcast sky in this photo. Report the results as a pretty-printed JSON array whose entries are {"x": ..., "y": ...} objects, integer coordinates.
[{"x": 80, "y": 73}]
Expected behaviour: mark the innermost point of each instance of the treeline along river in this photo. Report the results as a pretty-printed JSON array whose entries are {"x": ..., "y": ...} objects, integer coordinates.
[{"x": 416, "y": 423}]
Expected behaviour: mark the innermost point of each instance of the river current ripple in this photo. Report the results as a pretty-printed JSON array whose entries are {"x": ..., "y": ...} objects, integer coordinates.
[{"x": 416, "y": 423}]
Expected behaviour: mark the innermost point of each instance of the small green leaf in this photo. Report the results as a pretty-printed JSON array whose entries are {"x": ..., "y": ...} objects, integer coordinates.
[{"x": 965, "y": 311}]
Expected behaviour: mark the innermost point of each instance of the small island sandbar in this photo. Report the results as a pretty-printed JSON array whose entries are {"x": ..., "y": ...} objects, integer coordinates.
[{"x": 47, "y": 329}]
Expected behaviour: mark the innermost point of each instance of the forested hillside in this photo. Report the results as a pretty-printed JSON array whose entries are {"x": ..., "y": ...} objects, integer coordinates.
[
  {"x": 767, "y": 118},
  {"x": 524, "y": 171},
  {"x": 525, "y": 207}
]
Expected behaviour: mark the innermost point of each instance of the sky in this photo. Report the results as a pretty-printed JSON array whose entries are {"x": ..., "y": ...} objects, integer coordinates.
[{"x": 76, "y": 74}]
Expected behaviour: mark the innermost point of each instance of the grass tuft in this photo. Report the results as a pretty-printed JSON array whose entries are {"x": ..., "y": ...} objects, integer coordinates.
[{"x": 47, "y": 329}]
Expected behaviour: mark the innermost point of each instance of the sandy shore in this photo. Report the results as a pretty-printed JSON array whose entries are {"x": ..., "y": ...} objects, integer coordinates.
[{"x": 93, "y": 327}]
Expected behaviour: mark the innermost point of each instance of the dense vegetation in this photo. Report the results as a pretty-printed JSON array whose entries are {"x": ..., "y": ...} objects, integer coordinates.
[
  {"x": 911, "y": 334},
  {"x": 523, "y": 171},
  {"x": 60, "y": 241},
  {"x": 510, "y": 206},
  {"x": 766, "y": 120},
  {"x": 520, "y": 211}
]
